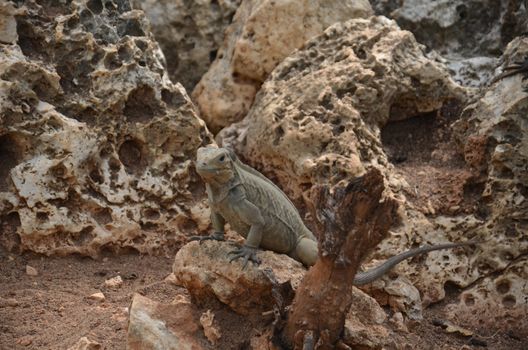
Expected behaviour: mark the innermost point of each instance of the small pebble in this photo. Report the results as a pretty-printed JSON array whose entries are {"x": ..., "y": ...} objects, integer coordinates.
[
  {"x": 114, "y": 282},
  {"x": 97, "y": 297},
  {"x": 31, "y": 271}
]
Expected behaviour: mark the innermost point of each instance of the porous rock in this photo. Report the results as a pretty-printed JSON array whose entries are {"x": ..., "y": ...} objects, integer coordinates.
[
  {"x": 262, "y": 34},
  {"x": 96, "y": 143},
  {"x": 189, "y": 33},
  {"x": 318, "y": 119},
  {"x": 474, "y": 27},
  {"x": 204, "y": 269},
  {"x": 493, "y": 134},
  {"x": 154, "y": 326},
  {"x": 364, "y": 323},
  {"x": 468, "y": 34}
]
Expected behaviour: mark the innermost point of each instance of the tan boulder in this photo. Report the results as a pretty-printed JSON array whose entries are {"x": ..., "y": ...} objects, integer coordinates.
[
  {"x": 96, "y": 143},
  {"x": 163, "y": 326},
  {"x": 204, "y": 269},
  {"x": 262, "y": 35}
]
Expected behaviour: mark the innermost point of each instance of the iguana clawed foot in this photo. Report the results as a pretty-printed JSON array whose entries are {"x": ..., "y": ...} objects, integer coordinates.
[
  {"x": 248, "y": 253},
  {"x": 216, "y": 236}
]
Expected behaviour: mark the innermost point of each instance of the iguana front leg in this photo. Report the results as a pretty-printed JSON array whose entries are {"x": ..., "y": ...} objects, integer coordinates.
[
  {"x": 251, "y": 215},
  {"x": 218, "y": 223}
]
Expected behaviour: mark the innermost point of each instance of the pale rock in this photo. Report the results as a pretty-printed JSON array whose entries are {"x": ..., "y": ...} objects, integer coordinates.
[
  {"x": 100, "y": 297},
  {"x": 86, "y": 344},
  {"x": 189, "y": 33},
  {"x": 398, "y": 322},
  {"x": 205, "y": 271},
  {"x": 364, "y": 323},
  {"x": 8, "y": 31},
  {"x": 155, "y": 326},
  {"x": 313, "y": 123},
  {"x": 114, "y": 282},
  {"x": 494, "y": 135},
  {"x": 8, "y": 302},
  {"x": 263, "y": 34},
  {"x": 212, "y": 333},
  {"x": 95, "y": 141},
  {"x": 31, "y": 271}
]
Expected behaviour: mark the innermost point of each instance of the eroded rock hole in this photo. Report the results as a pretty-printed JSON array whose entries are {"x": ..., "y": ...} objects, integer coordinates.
[
  {"x": 151, "y": 214},
  {"x": 9, "y": 225},
  {"x": 84, "y": 236},
  {"x": 96, "y": 6},
  {"x": 10, "y": 156},
  {"x": 132, "y": 157},
  {"x": 410, "y": 140},
  {"x": 142, "y": 105},
  {"x": 503, "y": 286},
  {"x": 469, "y": 299},
  {"x": 509, "y": 301},
  {"x": 103, "y": 216}
]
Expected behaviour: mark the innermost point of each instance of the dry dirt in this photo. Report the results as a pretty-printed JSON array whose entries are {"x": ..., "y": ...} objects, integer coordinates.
[
  {"x": 424, "y": 152},
  {"x": 53, "y": 311}
]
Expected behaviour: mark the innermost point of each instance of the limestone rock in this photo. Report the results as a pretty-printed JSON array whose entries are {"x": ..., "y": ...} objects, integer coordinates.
[
  {"x": 212, "y": 333},
  {"x": 319, "y": 119},
  {"x": 8, "y": 32},
  {"x": 206, "y": 272},
  {"x": 474, "y": 27},
  {"x": 262, "y": 34},
  {"x": 468, "y": 34},
  {"x": 157, "y": 326},
  {"x": 96, "y": 143},
  {"x": 86, "y": 344},
  {"x": 494, "y": 136},
  {"x": 496, "y": 302},
  {"x": 189, "y": 33},
  {"x": 114, "y": 282},
  {"x": 31, "y": 271},
  {"x": 311, "y": 122},
  {"x": 364, "y": 323},
  {"x": 100, "y": 297}
]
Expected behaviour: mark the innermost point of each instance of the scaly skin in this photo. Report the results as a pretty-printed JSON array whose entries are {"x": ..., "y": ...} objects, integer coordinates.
[{"x": 259, "y": 211}]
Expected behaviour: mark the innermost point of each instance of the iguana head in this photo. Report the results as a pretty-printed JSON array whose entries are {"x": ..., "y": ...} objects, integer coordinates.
[{"x": 215, "y": 164}]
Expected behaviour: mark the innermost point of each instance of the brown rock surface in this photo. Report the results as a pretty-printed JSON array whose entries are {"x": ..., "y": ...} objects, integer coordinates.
[
  {"x": 154, "y": 326},
  {"x": 204, "y": 269},
  {"x": 494, "y": 136},
  {"x": 318, "y": 117},
  {"x": 189, "y": 33},
  {"x": 95, "y": 141},
  {"x": 470, "y": 35},
  {"x": 262, "y": 34}
]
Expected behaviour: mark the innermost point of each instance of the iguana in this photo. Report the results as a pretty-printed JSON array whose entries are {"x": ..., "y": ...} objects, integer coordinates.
[{"x": 258, "y": 210}]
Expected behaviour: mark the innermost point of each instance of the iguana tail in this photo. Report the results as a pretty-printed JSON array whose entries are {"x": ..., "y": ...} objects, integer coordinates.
[{"x": 366, "y": 277}]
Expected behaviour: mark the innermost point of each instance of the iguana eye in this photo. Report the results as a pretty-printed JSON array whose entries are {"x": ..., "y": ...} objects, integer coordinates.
[{"x": 222, "y": 158}]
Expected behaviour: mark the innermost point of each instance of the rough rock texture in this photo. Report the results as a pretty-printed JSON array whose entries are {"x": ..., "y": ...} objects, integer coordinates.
[
  {"x": 262, "y": 34},
  {"x": 364, "y": 327},
  {"x": 466, "y": 27},
  {"x": 319, "y": 117},
  {"x": 189, "y": 33},
  {"x": 153, "y": 326},
  {"x": 493, "y": 132},
  {"x": 206, "y": 272},
  {"x": 95, "y": 141},
  {"x": 469, "y": 34}
]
